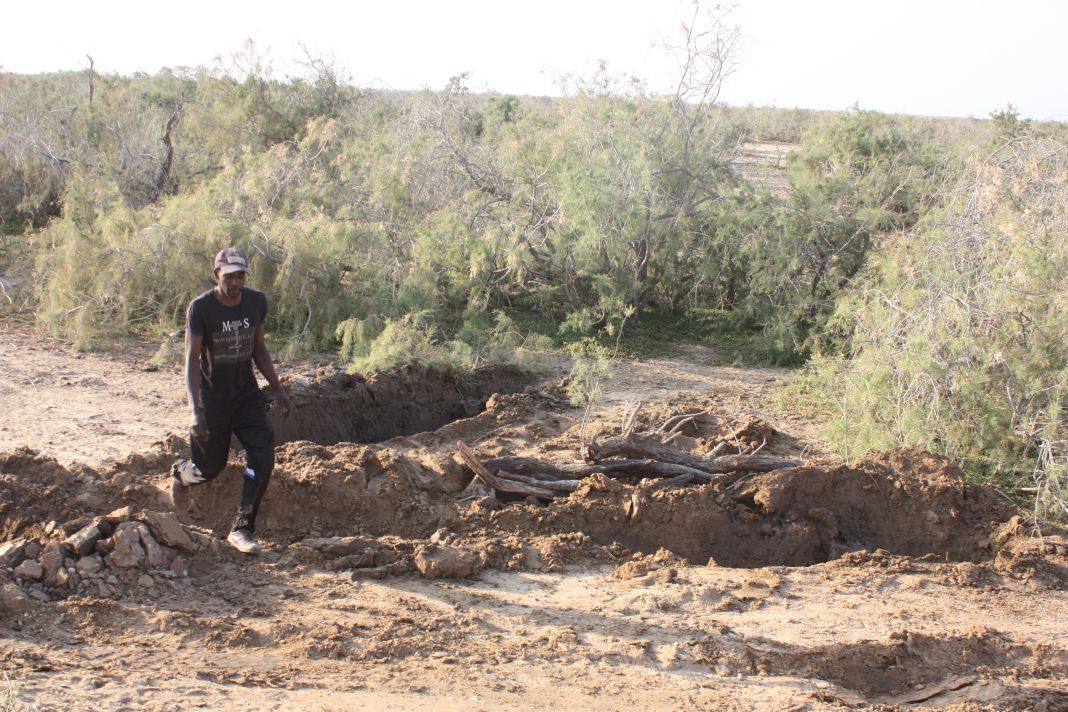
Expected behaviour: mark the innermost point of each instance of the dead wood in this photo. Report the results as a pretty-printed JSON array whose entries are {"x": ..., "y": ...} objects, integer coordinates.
[
  {"x": 650, "y": 449},
  {"x": 499, "y": 483},
  {"x": 547, "y": 471},
  {"x": 547, "y": 480}
]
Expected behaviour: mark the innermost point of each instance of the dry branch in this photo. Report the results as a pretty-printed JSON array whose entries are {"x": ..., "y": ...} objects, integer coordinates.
[
  {"x": 652, "y": 450},
  {"x": 499, "y": 483},
  {"x": 539, "y": 478}
]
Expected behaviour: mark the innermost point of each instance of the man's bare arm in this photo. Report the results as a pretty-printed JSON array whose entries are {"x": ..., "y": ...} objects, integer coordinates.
[
  {"x": 193, "y": 344},
  {"x": 262, "y": 358}
]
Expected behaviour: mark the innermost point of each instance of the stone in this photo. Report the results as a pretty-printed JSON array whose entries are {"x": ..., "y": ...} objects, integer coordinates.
[
  {"x": 51, "y": 559},
  {"x": 13, "y": 600},
  {"x": 39, "y": 594},
  {"x": 436, "y": 561},
  {"x": 169, "y": 531},
  {"x": 75, "y": 525},
  {"x": 180, "y": 566},
  {"x": 89, "y": 564},
  {"x": 13, "y": 552},
  {"x": 154, "y": 555},
  {"x": 83, "y": 541},
  {"x": 30, "y": 569},
  {"x": 62, "y": 577},
  {"x": 119, "y": 515},
  {"x": 146, "y": 581},
  {"x": 34, "y": 549},
  {"x": 127, "y": 552},
  {"x": 105, "y": 546}
]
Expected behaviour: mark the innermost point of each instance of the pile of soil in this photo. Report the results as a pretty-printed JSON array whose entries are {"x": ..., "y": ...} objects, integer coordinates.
[
  {"x": 415, "y": 492},
  {"x": 390, "y": 553}
]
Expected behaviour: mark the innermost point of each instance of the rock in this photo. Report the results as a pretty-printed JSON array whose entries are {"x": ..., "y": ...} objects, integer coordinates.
[
  {"x": 39, "y": 595},
  {"x": 63, "y": 578},
  {"x": 180, "y": 566},
  {"x": 34, "y": 549},
  {"x": 436, "y": 561},
  {"x": 13, "y": 552},
  {"x": 340, "y": 546},
  {"x": 51, "y": 560},
  {"x": 146, "y": 581},
  {"x": 154, "y": 555},
  {"x": 167, "y": 529},
  {"x": 532, "y": 558},
  {"x": 119, "y": 515},
  {"x": 85, "y": 539},
  {"x": 89, "y": 564},
  {"x": 75, "y": 525},
  {"x": 127, "y": 551},
  {"x": 30, "y": 569},
  {"x": 486, "y": 504},
  {"x": 13, "y": 600},
  {"x": 105, "y": 546}
]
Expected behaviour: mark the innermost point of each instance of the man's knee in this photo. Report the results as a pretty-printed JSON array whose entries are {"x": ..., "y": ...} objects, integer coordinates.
[{"x": 191, "y": 473}]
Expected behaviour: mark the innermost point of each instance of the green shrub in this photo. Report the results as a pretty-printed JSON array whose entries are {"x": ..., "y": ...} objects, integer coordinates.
[{"x": 959, "y": 330}]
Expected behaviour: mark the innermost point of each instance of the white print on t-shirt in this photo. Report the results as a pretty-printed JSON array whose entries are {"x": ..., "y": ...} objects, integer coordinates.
[
  {"x": 235, "y": 342},
  {"x": 235, "y": 324}
]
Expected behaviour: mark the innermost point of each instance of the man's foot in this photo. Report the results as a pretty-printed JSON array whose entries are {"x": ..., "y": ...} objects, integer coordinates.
[
  {"x": 242, "y": 540},
  {"x": 179, "y": 492}
]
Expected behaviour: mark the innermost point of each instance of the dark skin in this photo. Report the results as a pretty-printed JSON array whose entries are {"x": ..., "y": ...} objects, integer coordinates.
[{"x": 228, "y": 291}]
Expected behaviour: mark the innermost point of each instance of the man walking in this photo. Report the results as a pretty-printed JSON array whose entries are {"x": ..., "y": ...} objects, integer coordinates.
[{"x": 223, "y": 339}]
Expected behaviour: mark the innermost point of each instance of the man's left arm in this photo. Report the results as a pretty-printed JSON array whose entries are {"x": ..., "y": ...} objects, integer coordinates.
[{"x": 262, "y": 359}]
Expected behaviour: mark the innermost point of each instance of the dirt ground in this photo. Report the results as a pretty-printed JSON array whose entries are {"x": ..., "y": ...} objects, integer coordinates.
[{"x": 391, "y": 580}]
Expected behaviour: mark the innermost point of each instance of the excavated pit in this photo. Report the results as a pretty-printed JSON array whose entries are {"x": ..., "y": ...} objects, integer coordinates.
[
  {"x": 333, "y": 406},
  {"x": 906, "y": 503},
  {"x": 368, "y": 485}
]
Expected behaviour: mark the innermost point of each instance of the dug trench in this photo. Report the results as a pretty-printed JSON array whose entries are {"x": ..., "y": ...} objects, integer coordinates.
[
  {"x": 402, "y": 503},
  {"x": 333, "y": 479}
]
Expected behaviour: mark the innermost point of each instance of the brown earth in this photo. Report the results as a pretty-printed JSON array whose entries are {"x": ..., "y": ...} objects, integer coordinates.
[{"x": 390, "y": 580}]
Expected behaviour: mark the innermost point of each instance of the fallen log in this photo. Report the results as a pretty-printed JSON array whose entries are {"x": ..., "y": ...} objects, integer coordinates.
[
  {"x": 547, "y": 480},
  {"x": 499, "y": 483},
  {"x": 649, "y": 449},
  {"x": 547, "y": 471}
]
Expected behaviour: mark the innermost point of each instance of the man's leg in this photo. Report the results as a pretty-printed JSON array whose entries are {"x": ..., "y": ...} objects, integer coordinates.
[
  {"x": 208, "y": 460},
  {"x": 257, "y": 437}
]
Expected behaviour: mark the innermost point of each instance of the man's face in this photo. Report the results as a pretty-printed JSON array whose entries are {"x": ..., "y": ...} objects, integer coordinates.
[{"x": 230, "y": 284}]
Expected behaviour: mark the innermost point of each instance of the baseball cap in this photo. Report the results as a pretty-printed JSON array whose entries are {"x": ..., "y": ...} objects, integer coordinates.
[{"x": 231, "y": 260}]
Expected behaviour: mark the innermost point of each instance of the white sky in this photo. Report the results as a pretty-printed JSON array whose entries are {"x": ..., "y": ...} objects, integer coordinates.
[{"x": 931, "y": 57}]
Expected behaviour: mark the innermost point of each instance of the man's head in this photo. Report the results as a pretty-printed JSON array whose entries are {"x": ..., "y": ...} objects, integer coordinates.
[
  {"x": 230, "y": 260},
  {"x": 231, "y": 266}
]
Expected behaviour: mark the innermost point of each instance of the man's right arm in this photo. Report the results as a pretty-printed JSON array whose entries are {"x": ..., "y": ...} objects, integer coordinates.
[{"x": 193, "y": 344}]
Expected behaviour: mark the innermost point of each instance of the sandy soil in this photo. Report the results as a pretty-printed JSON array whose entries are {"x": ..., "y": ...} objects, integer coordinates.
[{"x": 389, "y": 581}]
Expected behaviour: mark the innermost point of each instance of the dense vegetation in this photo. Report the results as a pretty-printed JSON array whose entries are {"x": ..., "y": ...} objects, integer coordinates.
[{"x": 917, "y": 265}]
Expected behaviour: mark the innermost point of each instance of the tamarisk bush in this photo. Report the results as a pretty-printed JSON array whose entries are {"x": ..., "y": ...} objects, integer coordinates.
[{"x": 959, "y": 331}]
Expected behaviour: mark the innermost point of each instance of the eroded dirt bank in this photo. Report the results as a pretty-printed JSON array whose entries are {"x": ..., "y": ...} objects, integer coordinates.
[{"x": 390, "y": 577}]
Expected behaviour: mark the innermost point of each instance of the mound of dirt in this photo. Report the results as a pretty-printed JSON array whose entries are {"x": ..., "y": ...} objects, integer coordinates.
[
  {"x": 386, "y": 564},
  {"x": 905, "y": 502},
  {"x": 36, "y": 493}
]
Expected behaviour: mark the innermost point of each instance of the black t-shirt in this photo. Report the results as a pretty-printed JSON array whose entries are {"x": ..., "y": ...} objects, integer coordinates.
[{"x": 229, "y": 339}]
